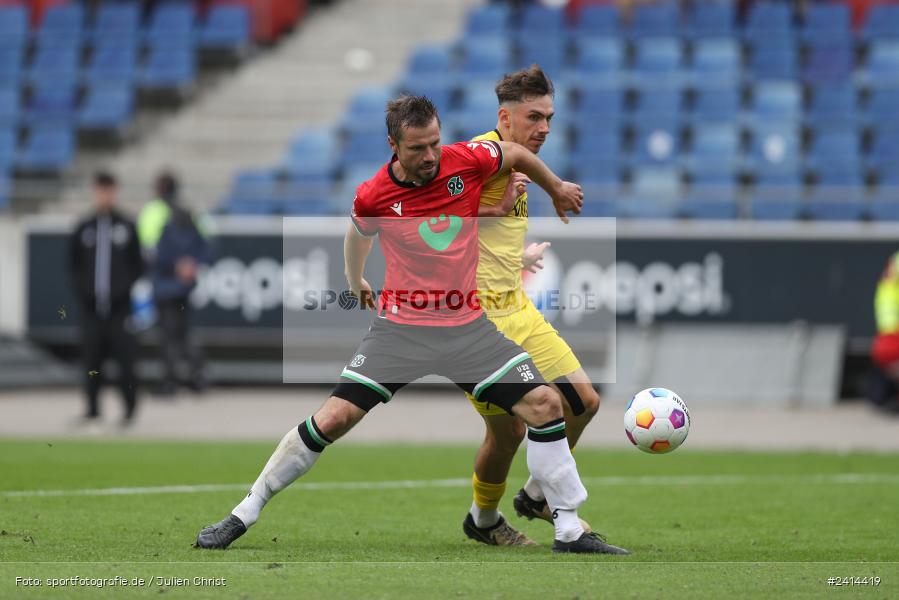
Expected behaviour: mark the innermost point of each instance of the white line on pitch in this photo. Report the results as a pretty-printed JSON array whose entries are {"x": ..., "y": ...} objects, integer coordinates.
[{"x": 648, "y": 480}]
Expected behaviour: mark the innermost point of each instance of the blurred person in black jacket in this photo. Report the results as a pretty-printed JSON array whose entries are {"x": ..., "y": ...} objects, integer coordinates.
[
  {"x": 105, "y": 261},
  {"x": 181, "y": 249}
]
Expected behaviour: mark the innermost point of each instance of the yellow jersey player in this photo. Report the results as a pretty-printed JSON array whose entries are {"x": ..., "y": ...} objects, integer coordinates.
[{"x": 525, "y": 113}]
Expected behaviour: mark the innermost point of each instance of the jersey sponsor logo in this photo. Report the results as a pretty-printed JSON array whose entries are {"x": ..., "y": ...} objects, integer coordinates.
[
  {"x": 357, "y": 361},
  {"x": 397, "y": 208},
  {"x": 455, "y": 185},
  {"x": 440, "y": 240}
]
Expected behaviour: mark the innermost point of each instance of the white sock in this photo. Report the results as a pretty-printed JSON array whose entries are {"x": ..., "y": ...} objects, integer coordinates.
[
  {"x": 483, "y": 517},
  {"x": 291, "y": 459},
  {"x": 532, "y": 489},
  {"x": 552, "y": 466},
  {"x": 568, "y": 525}
]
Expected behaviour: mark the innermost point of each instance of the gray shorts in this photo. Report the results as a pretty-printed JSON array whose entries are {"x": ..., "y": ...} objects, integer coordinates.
[{"x": 476, "y": 356}]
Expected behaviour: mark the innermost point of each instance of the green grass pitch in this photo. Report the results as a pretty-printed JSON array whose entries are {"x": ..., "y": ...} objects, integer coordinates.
[{"x": 701, "y": 524}]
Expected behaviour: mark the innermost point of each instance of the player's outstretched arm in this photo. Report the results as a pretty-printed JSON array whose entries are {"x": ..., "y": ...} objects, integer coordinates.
[
  {"x": 566, "y": 196},
  {"x": 356, "y": 248}
]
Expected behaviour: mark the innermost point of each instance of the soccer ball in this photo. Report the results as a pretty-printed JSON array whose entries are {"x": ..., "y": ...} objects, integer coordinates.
[{"x": 656, "y": 420}]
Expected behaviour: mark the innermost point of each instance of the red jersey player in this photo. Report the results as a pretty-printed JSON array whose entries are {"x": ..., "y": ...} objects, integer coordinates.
[{"x": 423, "y": 206}]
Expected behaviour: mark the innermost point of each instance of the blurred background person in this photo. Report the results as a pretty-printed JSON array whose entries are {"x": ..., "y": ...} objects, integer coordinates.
[
  {"x": 884, "y": 385},
  {"x": 105, "y": 261},
  {"x": 173, "y": 270}
]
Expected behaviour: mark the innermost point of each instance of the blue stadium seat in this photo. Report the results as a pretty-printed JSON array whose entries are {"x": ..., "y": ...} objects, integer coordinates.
[
  {"x": 655, "y": 193},
  {"x": 836, "y": 202},
  {"x": 113, "y": 62},
  {"x": 52, "y": 105},
  {"x": 768, "y": 21},
  {"x": 314, "y": 154},
  {"x": 598, "y": 158},
  {"x": 775, "y": 152},
  {"x": 715, "y": 105},
  {"x": 115, "y": 21},
  {"x": 832, "y": 106},
  {"x": 600, "y": 111},
  {"x": 227, "y": 27},
  {"x": 657, "y": 20},
  {"x": 365, "y": 147},
  {"x": 366, "y": 110},
  {"x": 485, "y": 60},
  {"x": 106, "y": 107},
  {"x": 13, "y": 25},
  {"x": 11, "y": 59},
  {"x": 597, "y": 21},
  {"x": 169, "y": 66},
  {"x": 600, "y": 198},
  {"x": 550, "y": 54},
  {"x": 716, "y": 148},
  {"x": 884, "y": 202},
  {"x": 5, "y": 187},
  {"x": 253, "y": 192},
  {"x": 777, "y": 199},
  {"x": 47, "y": 149},
  {"x": 171, "y": 23},
  {"x": 709, "y": 20},
  {"x": 827, "y": 22},
  {"x": 655, "y": 145},
  {"x": 713, "y": 202},
  {"x": 8, "y": 148},
  {"x": 880, "y": 111},
  {"x": 440, "y": 90},
  {"x": 476, "y": 114},
  {"x": 429, "y": 61},
  {"x": 490, "y": 19},
  {"x": 62, "y": 25},
  {"x": 776, "y": 102},
  {"x": 882, "y": 22},
  {"x": 657, "y": 64},
  {"x": 10, "y": 109},
  {"x": 54, "y": 65},
  {"x": 884, "y": 155},
  {"x": 834, "y": 152},
  {"x": 882, "y": 68},
  {"x": 775, "y": 62},
  {"x": 829, "y": 63},
  {"x": 716, "y": 62},
  {"x": 303, "y": 198},
  {"x": 538, "y": 21},
  {"x": 661, "y": 106},
  {"x": 598, "y": 64}
]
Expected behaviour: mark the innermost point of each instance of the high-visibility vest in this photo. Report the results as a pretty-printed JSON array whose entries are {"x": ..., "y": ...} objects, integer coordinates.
[{"x": 886, "y": 304}]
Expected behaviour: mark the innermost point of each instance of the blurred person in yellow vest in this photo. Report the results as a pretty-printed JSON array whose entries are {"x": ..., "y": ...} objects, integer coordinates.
[{"x": 884, "y": 388}]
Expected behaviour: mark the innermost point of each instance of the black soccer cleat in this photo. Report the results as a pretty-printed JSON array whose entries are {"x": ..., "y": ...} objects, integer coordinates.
[
  {"x": 525, "y": 506},
  {"x": 531, "y": 509},
  {"x": 221, "y": 534},
  {"x": 589, "y": 543},
  {"x": 501, "y": 534}
]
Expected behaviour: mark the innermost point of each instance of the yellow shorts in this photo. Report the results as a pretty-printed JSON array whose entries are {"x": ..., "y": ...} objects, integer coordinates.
[{"x": 551, "y": 354}]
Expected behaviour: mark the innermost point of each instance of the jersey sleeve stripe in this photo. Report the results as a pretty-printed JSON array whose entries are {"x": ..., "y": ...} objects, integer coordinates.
[{"x": 499, "y": 149}]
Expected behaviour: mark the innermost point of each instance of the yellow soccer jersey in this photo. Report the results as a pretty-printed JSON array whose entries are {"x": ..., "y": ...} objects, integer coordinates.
[{"x": 501, "y": 243}]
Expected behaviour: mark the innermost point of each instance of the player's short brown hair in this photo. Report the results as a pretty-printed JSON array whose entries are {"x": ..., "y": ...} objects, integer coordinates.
[
  {"x": 105, "y": 179},
  {"x": 409, "y": 111},
  {"x": 523, "y": 85}
]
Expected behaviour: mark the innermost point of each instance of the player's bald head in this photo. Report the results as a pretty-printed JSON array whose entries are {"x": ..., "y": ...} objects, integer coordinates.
[
  {"x": 409, "y": 111},
  {"x": 524, "y": 85}
]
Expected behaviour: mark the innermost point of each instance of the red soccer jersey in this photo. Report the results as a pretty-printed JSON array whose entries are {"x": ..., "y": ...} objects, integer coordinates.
[{"x": 429, "y": 236}]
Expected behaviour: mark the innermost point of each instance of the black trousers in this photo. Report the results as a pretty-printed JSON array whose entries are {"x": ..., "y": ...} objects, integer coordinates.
[
  {"x": 174, "y": 324},
  {"x": 107, "y": 338}
]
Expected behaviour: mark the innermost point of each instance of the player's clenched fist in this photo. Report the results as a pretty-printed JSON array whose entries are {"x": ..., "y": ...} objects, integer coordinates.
[{"x": 569, "y": 197}]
